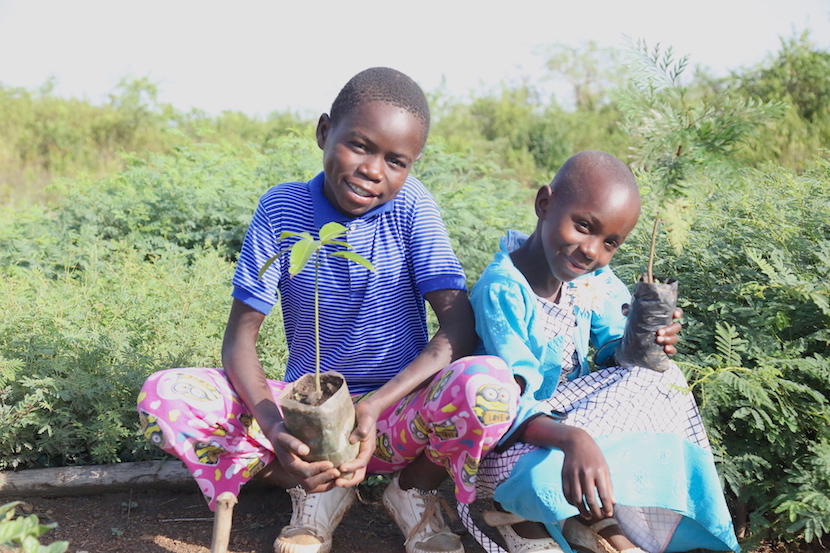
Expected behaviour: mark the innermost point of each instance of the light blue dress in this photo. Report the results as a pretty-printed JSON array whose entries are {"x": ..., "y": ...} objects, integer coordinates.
[{"x": 668, "y": 493}]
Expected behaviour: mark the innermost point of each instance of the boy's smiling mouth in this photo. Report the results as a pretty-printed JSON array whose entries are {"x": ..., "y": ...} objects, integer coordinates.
[{"x": 359, "y": 191}]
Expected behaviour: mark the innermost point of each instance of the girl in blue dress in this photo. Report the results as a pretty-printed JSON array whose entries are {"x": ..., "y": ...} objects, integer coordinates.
[{"x": 611, "y": 460}]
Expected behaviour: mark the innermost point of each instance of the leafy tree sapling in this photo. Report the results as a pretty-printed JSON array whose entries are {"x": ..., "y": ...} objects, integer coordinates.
[
  {"x": 301, "y": 252},
  {"x": 323, "y": 419},
  {"x": 676, "y": 133}
]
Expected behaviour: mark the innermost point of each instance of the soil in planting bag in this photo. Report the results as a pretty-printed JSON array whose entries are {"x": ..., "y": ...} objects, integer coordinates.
[
  {"x": 652, "y": 307},
  {"x": 324, "y": 421}
]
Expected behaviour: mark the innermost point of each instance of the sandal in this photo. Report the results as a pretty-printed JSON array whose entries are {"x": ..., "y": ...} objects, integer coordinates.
[
  {"x": 588, "y": 537},
  {"x": 503, "y": 522}
]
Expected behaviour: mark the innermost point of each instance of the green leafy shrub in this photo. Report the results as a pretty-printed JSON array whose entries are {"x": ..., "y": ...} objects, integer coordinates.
[{"x": 22, "y": 532}]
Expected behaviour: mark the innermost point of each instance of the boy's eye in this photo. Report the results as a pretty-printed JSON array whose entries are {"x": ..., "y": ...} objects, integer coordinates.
[
  {"x": 358, "y": 146},
  {"x": 397, "y": 162},
  {"x": 612, "y": 244}
]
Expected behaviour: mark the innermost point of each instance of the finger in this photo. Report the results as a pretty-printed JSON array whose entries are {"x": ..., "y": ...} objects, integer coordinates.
[
  {"x": 321, "y": 481},
  {"x": 591, "y": 502},
  {"x": 678, "y": 313},
  {"x": 624, "y": 309},
  {"x": 606, "y": 496},
  {"x": 577, "y": 500},
  {"x": 364, "y": 456},
  {"x": 349, "y": 479},
  {"x": 291, "y": 444}
]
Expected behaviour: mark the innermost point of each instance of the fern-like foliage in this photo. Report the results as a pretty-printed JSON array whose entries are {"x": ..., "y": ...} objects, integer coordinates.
[{"x": 677, "y": 133}]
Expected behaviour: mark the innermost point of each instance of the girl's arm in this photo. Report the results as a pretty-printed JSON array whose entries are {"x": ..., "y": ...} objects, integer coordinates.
[
  {"x": 454, "y": 339},
  {"x": 586, "y": 480}
]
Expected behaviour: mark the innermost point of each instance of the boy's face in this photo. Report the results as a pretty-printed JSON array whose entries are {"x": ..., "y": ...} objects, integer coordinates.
[
  {"x": 581, "y": 233},
  {"x": 368, "y": 154}
]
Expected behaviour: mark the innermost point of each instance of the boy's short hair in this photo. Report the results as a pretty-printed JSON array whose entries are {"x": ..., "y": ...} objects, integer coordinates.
[{"x": 382, "y": 84}]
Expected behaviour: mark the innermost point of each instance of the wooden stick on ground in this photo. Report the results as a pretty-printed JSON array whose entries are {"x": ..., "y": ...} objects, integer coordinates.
[{"x": 222, "y": 520}]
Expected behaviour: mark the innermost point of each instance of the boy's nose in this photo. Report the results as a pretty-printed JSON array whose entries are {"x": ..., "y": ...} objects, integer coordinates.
[{"x": 371, "y": 168}]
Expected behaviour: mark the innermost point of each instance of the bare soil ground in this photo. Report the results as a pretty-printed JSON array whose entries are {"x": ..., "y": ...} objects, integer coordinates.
[
  {"x": 159, "y": 521},
  {"x": 156, "y": 521}
]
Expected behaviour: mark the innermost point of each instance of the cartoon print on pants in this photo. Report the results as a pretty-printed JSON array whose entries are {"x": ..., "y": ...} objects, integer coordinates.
[
  {"x": 445, "y": 430},
  {"x": 152, "y": 430},
  {"x": 492, "y": 404},
  {"x": 469, "y": 471},
  {"x": 383, "y": 448},
  {"x": 194, "y": 391},
  {"x": 207, "y": 453},
  {"x": 438, "y": 387},
  {"x": 419, "y": 428}
]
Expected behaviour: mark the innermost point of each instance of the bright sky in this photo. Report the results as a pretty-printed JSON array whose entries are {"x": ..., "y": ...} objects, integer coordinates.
[{"x": 257, "y": 56}]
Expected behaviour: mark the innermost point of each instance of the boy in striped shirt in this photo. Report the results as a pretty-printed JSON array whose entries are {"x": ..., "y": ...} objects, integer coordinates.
[{"x": 373, "y": 331}]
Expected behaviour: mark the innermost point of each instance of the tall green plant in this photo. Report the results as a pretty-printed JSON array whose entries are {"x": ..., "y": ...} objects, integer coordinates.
[
  {"x": 677, "y": 133},
  {"x": 301, "y": 252}
]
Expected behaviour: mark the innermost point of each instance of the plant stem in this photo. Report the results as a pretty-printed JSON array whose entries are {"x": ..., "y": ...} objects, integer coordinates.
[
  {"x": 650, "y": 271},
  {"x": 317, "y": 324}
]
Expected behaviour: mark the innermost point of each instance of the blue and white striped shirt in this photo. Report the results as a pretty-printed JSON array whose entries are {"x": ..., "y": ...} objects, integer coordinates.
[{"x": 372, "y": 324}]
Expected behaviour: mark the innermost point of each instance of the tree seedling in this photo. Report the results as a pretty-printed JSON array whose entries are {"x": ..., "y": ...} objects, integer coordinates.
[{"x": 301, "y": 251}]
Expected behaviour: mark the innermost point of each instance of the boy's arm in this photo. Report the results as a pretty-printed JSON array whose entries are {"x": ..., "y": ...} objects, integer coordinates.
[
  {"x": 244, "y": 370},
  {"x": 586, "y": 480},
  {"x": 454, "y": 339}
]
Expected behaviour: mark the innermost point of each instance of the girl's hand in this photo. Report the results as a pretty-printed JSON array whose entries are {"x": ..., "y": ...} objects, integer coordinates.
[
  {"x": 586, "y": 481},
  {"x": 366, "y": 416},
  {"x": 314, "y": 477},
  {"x": 668, "y": 335}
]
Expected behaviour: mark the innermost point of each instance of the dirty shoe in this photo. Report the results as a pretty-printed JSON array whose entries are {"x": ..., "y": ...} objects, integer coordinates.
[
  {"x": 314, "y": 518},
  {"x": 418, "y": 515}
]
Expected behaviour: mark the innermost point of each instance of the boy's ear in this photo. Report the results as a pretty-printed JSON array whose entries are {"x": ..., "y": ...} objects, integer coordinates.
[
  {"x": 543, "y": 199},
  {"x": 323, "y": 130}
]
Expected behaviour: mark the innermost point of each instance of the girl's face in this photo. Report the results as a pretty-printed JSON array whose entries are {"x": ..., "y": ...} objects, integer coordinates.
[
  {"x": 368, "y": 155},
  {"x": 581, "y": 234}
]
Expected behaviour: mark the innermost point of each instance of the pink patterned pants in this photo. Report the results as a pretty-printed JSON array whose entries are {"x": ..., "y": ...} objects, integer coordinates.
[{"x": 195, "y": 414}]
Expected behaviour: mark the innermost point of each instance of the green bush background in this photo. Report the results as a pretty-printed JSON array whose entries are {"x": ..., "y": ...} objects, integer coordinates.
[{"x": 121, "y": 225}]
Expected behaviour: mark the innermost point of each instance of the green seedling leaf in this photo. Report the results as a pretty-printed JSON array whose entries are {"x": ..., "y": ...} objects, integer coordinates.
[
  {"x": 271, "y": 262},
  {"x": 330, "y": 231},
  {"x": 337, "y": 243},
  {"x": 301, "y": 235},
  {"x": 301, "y": 252},
  {"x": 357, "y": 258}
]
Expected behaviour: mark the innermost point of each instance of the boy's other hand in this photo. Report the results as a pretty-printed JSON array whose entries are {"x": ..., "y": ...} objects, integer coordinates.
[
  {"x": 668, "y": 335},
  {"x": 353, "y": 472}
]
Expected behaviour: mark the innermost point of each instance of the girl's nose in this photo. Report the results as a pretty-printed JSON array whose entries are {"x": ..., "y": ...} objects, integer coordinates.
[{"x": 590, "y": 248}]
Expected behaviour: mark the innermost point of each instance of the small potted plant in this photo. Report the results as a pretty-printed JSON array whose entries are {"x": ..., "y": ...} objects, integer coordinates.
[
  {"x": 317, "y": 408},
  {"x": 676, "y": 133}
]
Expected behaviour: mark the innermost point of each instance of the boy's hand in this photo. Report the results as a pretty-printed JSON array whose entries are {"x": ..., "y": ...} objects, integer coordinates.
[
  {"x": 353, "y": 472},
  {"x": 319, "y": 476},
  {"x": 668, "y": 335}
]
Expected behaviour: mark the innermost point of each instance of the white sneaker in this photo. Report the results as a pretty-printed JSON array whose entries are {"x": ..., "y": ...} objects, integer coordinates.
[
  {"x": 313, "y": 520},
  {"x": 515, "y": 543},
  {"x": 418, "y": 514}
]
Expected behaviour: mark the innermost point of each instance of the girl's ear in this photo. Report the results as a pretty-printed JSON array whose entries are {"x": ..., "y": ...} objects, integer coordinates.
[
  {"x": 323, "y": 129},
  {"x": 543, "y": 201}
]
